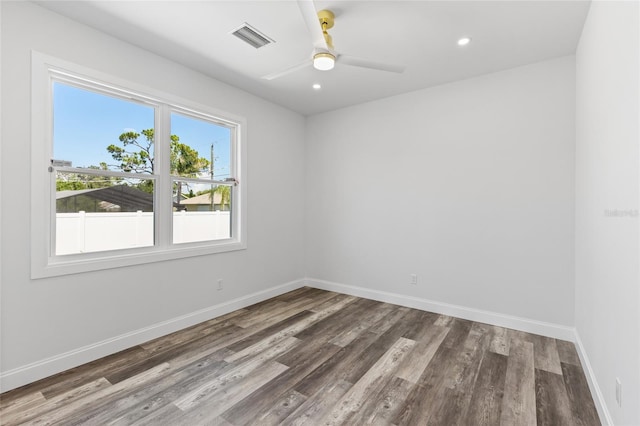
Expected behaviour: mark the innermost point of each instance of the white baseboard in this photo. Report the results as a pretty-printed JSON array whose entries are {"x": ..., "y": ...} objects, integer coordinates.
[
  {"x": 44, "y": 368},
  {"x": 517, "y": 323},
  {"x": 596, "y": 392}
]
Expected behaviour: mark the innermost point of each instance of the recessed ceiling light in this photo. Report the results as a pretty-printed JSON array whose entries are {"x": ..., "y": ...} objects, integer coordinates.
[
  {"x": 317, "y": 86},
  {"x": 464, "y": 41}
]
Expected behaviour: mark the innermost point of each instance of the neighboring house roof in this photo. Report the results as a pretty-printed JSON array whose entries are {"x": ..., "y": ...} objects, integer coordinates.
[
  {"x": 131, "y": 199},
  {"x": 128, "y": 198},
  {"x": 72, "y": 193},
  {"x": 203, "y": 199}
]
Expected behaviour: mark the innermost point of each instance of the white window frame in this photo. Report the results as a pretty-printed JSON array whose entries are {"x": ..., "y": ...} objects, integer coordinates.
[{"x": 44, "y": 262}]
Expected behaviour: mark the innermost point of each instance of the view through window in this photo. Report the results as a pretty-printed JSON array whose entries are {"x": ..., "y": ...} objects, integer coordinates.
[
  {"x": 203, "y": 206},
  {"x": 109, "y": 183}
]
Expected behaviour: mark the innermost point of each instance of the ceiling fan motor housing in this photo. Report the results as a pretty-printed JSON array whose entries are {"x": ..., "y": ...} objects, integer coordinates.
[{"x": 327, "y": 19}]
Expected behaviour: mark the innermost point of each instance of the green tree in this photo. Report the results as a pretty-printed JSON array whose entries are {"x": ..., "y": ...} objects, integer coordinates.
[
  {"x": 70, "y": 184},
  {"x": 225, "y": 195},
  {"x": 185, "y": 161},
  {"x": 136, "y": 155},
  {"x": 77, "y": 181}
]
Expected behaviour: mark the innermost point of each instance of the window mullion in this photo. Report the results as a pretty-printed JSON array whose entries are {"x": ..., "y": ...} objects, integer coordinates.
[
  {"x": 163, "y": 193},
  {"x": 236, "y": 228},
  {"x": 52, "y": 214}
]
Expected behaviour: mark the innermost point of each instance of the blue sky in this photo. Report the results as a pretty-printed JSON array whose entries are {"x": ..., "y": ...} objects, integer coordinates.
[{"x": 85, "y": 123}]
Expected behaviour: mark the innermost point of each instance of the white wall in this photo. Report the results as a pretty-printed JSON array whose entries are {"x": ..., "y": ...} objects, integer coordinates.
[
  {"x": 607, "y": 180},
  {"x": 468, "y": 185},
  {"x": 48, "y": 317}
]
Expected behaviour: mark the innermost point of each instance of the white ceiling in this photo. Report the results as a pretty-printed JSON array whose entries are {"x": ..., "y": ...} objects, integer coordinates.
[{"x": 421, "y": 35}]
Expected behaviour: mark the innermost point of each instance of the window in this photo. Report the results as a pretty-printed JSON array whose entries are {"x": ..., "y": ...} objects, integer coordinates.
[
  {"x": 204, "y": 204},
  {"x": 103, "y": 172},
  {"x": 131, "y": 175}
]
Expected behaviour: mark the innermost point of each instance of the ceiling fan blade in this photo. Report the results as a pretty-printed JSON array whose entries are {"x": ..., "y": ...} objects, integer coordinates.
[
  {"x": 310, "y": 16},
  {"x": 365, "y": 63},
  {"x": 286, "y": 71}
]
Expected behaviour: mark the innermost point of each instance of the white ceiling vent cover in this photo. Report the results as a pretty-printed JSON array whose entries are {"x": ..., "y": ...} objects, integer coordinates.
[{"x": 251, "y": 36}]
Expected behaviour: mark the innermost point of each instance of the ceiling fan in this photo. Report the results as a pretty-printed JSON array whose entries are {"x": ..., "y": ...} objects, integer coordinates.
[{"x": 324, "y": 56}]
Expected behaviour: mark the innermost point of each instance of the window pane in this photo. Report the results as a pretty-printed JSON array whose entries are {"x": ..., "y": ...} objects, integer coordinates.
[
  {"x": 201, "y": 217},
  {"x": 98, "y": 213},
  {"x": 200, "y": 148},
  {"x": 95, "y": 130}
]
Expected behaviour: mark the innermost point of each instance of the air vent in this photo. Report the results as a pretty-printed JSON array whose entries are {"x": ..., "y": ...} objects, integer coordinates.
[{"x": 251, "y": 36}]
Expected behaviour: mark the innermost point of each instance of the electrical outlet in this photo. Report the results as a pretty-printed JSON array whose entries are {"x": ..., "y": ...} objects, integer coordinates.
[
  {"x": 619, "y": 392},
  {"x": 220, "y": 284},
  {"x": 413, "y": 279}
]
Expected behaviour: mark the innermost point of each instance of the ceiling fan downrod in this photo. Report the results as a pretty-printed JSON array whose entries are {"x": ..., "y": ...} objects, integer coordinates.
[{"x": 327, "y": 19}]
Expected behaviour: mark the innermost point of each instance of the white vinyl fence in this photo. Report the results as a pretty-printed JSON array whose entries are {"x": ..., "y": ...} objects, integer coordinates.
[{"x": 89, "y": 232}]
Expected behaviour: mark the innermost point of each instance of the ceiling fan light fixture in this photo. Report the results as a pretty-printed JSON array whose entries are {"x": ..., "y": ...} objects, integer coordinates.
[{"x": 324, "y": 61}]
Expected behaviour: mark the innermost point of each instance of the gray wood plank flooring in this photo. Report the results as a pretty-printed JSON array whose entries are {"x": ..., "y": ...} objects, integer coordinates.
[{"x": 313, "y": 357}]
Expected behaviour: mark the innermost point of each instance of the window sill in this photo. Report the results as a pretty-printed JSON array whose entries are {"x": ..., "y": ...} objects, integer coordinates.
[{"x": 89, "y": 262}]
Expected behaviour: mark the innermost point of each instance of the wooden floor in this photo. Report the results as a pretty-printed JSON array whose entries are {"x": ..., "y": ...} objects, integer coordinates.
[{"x": 315, "y": 357}]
